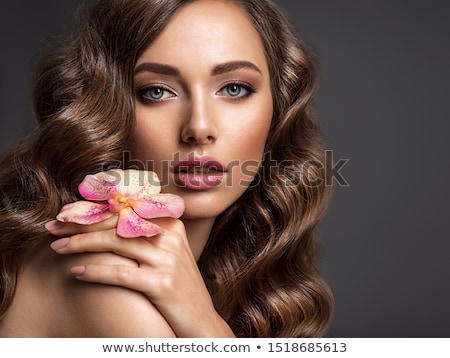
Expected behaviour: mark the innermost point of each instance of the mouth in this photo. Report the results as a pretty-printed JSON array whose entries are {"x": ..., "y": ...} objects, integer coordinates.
[
  {"x": 199, "y": 165},
  {"x": 199, "y": 173}
]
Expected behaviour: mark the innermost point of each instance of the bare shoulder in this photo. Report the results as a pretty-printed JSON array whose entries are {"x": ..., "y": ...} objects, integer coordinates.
[
  {"x": 110, "y": 311},
  {"x": 62, "y": 306}
]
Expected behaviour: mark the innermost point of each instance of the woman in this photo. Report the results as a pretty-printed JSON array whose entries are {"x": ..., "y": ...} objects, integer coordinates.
[{"x": 215, "y": 97}]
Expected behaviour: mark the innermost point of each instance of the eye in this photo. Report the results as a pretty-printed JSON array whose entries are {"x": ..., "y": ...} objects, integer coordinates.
[
  {"x": 236, "y": 90},
  {"x": 155, "y": 93}
]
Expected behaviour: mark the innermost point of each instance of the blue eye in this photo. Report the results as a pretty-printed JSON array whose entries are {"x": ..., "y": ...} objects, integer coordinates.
[
  {"x": 237, "y": 90},
  {"x": 156, "y": 93}
]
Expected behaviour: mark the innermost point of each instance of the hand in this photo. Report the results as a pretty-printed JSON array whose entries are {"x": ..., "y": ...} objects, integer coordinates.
[{"x": 166, "y": 273}]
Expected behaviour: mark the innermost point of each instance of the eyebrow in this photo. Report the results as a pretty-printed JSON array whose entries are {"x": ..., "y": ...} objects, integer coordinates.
[
  {"x": 233, "y": 66},
  {"x": 217, "y": 70},
  {"x": 157, "y": 68}
]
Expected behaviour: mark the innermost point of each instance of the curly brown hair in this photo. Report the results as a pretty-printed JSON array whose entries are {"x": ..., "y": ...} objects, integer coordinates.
[{"x": 261, "y": 260}]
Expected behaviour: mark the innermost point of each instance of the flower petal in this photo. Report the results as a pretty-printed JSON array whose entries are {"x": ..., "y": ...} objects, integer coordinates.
[
  {"x": 84, "y": 212},
  {"x": 132, "y": 225},
  {"x": 137, "y": 184},
  {"x": 159, "y": 205},
  {"x": 100, "y": 186},
  {"x": 131, "y": 183}
]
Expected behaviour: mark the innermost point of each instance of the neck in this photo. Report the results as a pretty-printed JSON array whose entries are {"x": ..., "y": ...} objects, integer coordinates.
[{"x": 197, "y": 232}]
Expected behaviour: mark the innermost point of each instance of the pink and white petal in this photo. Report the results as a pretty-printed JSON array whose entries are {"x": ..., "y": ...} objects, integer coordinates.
[
  {"x": 159, "y": 205},
  {"x": 132, "y": 225},
  {"x": 84, "y": 212},
  {"x": 138, "y": 184},
  {"x": 100, "y": 186}
]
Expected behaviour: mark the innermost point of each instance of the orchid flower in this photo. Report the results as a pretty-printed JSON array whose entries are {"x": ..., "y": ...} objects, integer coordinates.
[{"x": 132, "y": 194}]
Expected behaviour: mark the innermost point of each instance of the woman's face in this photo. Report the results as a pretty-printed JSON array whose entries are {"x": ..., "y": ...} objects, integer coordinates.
[{"x": 203, "y": 106}]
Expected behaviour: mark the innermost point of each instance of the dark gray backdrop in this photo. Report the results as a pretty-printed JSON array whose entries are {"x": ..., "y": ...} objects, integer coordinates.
[{"x": 384, "y": 68}]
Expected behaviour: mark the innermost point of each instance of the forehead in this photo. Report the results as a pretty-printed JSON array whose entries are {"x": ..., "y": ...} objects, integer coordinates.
[{"x": 208, "y": 30}]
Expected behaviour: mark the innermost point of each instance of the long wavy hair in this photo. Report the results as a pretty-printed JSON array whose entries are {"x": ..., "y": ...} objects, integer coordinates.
[{"x": 261, "y": 260}]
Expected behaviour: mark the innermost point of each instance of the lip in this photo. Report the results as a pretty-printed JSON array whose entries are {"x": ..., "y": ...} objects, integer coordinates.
[{"x": 199, "y": 172}]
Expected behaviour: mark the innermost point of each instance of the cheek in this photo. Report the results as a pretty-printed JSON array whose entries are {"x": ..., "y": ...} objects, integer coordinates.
[
  {"x": 142, "y": 143},
  {"x": 150, "y": 140},
  {"x": 254, "y": 136},
  {"x": 250, "y": 142}
]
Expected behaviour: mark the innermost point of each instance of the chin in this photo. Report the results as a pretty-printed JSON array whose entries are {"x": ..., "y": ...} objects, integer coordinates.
[
  {"x": 201, "y": 213},
  {"x": 206, "y": 204}
]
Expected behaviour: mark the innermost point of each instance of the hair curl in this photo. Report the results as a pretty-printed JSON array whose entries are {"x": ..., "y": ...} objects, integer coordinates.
[{"x": 260, "y": 262}]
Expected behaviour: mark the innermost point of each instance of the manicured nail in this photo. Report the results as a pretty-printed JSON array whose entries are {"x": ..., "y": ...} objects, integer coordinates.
[
  {"x": 78, "y": 270},
  {"x": 59, "y": 244},
  {"x": 54, "y": 225}
]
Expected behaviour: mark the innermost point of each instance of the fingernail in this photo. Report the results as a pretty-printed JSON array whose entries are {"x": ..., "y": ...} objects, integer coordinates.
[
  {"x": 54, "y": 225},
  {"x": 59, "y": 244},
  {"x": 78, "y": 270}
]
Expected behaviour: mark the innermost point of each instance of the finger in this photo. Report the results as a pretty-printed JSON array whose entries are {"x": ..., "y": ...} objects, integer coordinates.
[
  {"x": 170, "y": 223},
  {"x": 130, "y": 277},
  {"x": 59, "y": 228},
  {"x": 171, "y": 226},
  {"x": 98, "y": 241},
  {"x": 139, "y": 249}
]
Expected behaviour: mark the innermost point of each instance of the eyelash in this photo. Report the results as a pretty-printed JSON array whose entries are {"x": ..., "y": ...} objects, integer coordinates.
[
  {"x": 250, "y": 90},
  {"x": 146, "y": 99}
]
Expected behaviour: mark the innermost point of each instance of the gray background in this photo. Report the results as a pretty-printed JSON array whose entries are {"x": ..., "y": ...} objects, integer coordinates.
[{"x": 384, "y": 68}]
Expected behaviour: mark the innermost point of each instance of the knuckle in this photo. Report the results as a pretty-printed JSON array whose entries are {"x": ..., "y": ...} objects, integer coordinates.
[
  {"x": 175, "y": 239},
  {"x": 123, "y": 273},
  {"x": 167, "y": 283},
  {"x": 171, "y": 224},
  {"x": 178, "y": 225},
  {"x": 88, "y": 239},
  {"x": 171, "y": 261},
  {"x": 77, "y": 241}
]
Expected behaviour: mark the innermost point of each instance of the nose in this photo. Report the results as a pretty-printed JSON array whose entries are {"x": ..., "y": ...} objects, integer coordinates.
[{"x": 199, "y": 127}]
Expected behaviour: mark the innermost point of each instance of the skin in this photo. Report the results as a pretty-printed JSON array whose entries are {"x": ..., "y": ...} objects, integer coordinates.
[
  {"x": 200, "y": 115},
  {"x": 153, "y": 285}
]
